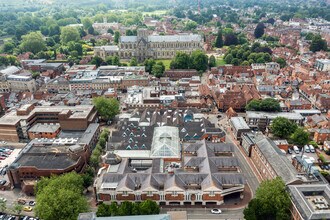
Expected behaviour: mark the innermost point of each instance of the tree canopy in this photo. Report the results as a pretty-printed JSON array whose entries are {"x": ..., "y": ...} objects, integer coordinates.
[
  {"x": 180, "y": 61},
  {"x": 158, "y": 69},
  {"x": 108, "y": 108},
  {"x": 259, "y": 30},
  {"x": 60, "y": 197},
  {"x": 219, "y": 40},
  {"x": 268, "y": 105},
  {"x": 271, "y": 202},
  {"x": 146, "y": 207},
  {"x": 69, "y": 34},
  {"x": 282, "y": 127},
  {"x": 318, "y": 44},
  {"x": 33, "y": 42},
  {"x": 300, "y": 137}
]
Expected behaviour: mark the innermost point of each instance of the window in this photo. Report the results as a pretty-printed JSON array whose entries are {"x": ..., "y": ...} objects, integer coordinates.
[
  {"x": 212, "y": 193},
  {"x": 149, "y": 193},
  {"x": 125, "y": 193},
  {"x": 174, "y": 193}
]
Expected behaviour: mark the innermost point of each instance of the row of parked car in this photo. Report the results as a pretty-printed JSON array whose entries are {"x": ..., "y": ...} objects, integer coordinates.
[
  {"x": 5, "y": 152},
  {"x": 307, "y": 149},
  {"x": 4, "y": 216}
]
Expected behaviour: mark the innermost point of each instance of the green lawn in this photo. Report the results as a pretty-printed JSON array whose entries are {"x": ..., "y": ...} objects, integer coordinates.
[
  {"x": 166, "y": 63},
  {"x": 220, "y": 62}
]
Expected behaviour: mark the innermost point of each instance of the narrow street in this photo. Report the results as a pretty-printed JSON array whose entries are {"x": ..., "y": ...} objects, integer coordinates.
[{"x": 251, "y": 178}]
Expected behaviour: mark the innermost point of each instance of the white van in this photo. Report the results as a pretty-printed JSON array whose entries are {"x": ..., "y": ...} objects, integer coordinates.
[
  {"x": 296, "y": 149},
  {"x": 311, "y": 148},
  {"x": 306, "y": 149}
]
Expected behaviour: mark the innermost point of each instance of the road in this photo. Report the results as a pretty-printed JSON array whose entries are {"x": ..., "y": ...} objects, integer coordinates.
[
  {"x": 204, "y": 213},
  {"x": 251, "y": 178}
]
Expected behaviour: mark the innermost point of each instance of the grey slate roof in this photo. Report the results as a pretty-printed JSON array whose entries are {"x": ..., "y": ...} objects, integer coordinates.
[{"x": 277, "y": 159}]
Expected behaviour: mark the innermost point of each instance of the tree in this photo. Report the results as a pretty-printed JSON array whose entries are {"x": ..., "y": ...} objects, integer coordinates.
[
  {"x": 267, "y": 104},
  {"x": 8, "y": 47},
  {"x": 32, "y": 42},
  {"x": 133, "y": 62},
  {"x": 125, "y": 208},
  {"x": 281, "y": 61},
  {"x": 190, "y": 25},
  {"x": 50, "y": 42},
  {"x": 212, "y": 61},
  {"x": 259, "y": 30},
  {"x": 114, "y": 209},
  {"x": 300, "y": 137},
  {"x": 69, "y": 34},
  {"x": 149, "y": 207},
  {"x": 282, "y": 127},
  {"x": 54, "y": 29},
  {"x": 97, "y": 61},
  {"x": 107, "y": 108},
  {"x": 110, "y": 31},
  {"x": 219, "y": 40},
  {"x": 199, "y": 60},
  {"x": 158, "y": 69},
  {"x": 87, "y": 23},
  {"x": 149, "y": 63},
  {"x": 230, "y": 39},
  {"x": 116, "y": 37},
  {"x": 102, "y": 142},
  {"x": 103, "y": 210},
  {"x": 90, "y": 30},
  {"x": 60, "y": 197},
  {"x": 180, "y": 61},
  {"x": 318, "y": 44},
  {"x": 272, "y": 201},
  {"x": 245, "y": 63},
  {"x": 229, "y": 58},
  {"x": 87, "y": 180},
  {"x": 116, "y": 61},
  {"x": 270, "y": 105}
]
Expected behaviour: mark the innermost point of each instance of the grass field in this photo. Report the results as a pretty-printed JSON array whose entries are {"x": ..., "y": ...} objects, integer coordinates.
[
  {"x": 157, "y": 12},
  {"x": 166, "y": 63},
  {"x": 220, "y": 62}
]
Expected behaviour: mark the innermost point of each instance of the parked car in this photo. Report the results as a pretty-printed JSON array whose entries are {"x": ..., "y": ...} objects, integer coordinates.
[
  {"x": 215, "y": 211},
  {"x": 322, "y": 167},
  {"x": 3, "y": 199},
  {"x": 27, "y": 209},
  {"x": 3, "y": 171},
  {"x": 290, "y": 151},
  {"x": 306, "y": 149},
  {"x": 21, "y": 201},
  {"x": 32, "y": 203},
  {"x": 311, "y": 148},
  {"x": 296, "y": 149},
  {"x": 327, "y": 167},
  {"x": 3, "y": 182}
]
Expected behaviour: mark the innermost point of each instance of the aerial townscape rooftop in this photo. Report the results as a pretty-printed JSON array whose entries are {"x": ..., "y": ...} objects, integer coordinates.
[{"x": 164, "y": 110}]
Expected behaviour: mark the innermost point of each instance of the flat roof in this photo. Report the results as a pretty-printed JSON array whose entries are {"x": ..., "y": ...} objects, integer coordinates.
[
  {"x": 302, "y": 196},
  {"x": 273, "y": 115},
  {"x": 79, "y": 111},
  {"x": 44, "y": 128}
]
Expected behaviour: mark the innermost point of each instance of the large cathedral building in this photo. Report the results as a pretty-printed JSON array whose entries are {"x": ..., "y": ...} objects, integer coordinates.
[{"x": 145, "y": 46}]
